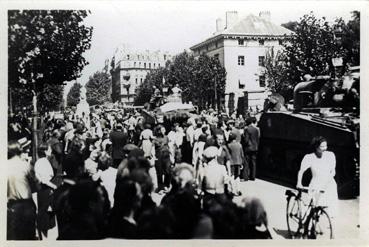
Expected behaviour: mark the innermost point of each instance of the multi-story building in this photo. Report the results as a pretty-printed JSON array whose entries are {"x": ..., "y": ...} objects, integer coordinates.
[
  {"x": 241, "y": 46},
  {"x": 129, "y": 69}
]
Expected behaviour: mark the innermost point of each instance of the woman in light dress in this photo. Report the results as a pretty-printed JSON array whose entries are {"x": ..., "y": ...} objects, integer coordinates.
[{"x": 322, "y": 164}]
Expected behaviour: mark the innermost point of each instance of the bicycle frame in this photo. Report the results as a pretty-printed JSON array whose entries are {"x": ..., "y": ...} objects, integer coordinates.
[{"x": 304, "y": 217}]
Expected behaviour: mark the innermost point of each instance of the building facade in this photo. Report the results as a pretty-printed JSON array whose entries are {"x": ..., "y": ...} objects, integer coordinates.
[
  {"x": 241, "y": 46},
  {"x": 129, "y": 69}
]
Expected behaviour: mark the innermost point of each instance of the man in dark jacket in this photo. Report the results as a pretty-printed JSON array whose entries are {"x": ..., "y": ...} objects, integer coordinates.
[
  {"x": 251, "y": 144},
  {"x": 118, "y": 138}
]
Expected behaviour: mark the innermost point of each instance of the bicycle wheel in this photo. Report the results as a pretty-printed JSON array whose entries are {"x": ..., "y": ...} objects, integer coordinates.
[
  {"x": 319, "y": 225},
  {"x": 293, "y": 216}
]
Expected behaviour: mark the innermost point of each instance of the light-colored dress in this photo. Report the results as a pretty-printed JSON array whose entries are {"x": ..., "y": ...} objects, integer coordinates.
[{"x": 323, "y": 171}]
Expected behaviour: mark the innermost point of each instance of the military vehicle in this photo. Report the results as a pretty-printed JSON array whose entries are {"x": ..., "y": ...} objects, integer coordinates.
[{"x": 322, "y": 107}]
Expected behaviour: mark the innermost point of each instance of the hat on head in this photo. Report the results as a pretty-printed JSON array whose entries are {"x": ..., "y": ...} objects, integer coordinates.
[
  {"x": 210, "y": 152},
  {"x": 24, "y": 142}
]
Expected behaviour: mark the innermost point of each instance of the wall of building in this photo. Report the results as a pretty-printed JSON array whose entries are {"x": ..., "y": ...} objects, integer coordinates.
[
  {"x": 137, "y": 65},
  {"x": 241, "y": 78}
]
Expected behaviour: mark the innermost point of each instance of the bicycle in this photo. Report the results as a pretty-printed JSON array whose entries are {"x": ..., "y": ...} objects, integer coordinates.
[{"x": 312, "y": 223}]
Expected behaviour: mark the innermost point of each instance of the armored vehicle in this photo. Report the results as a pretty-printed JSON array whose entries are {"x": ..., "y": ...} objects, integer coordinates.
[{"x": 322, "y": 107}]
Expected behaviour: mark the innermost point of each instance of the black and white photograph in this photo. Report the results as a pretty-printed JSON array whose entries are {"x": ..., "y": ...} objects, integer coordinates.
[{"x": 183, "y": 120}]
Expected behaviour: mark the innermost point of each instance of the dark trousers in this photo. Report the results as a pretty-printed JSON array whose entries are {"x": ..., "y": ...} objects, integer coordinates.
[
  {"x": 236, "y": 170},
  {"x": 45, "y": 219},
  {"x": 116, "y": 162},
  {"x": 251, "y": 164},
  {"x": 21, "y": 220}
]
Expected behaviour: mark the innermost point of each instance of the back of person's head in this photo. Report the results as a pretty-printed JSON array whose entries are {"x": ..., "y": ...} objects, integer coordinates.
[
  {"x": 186, "y": 209},
  {"x": 224, "y": 217},
  {"x": 87, "y": 196},
  {"x": 127, "y": 197},
  {"x": 104, "y": 161},
  {"x": 156, "y": 223},
  {"x": 254, "y": 213},
  {"x": 231, "y": 137},
  {"x": 202, "y": 138},
  {"x": 14, "y": 149},
  {"x": 143, "y": 179},
  {"x": 42, "y": 149}
]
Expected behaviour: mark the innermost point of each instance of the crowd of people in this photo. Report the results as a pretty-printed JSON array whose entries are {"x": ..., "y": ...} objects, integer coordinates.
[{"x": 100, "y": 176}]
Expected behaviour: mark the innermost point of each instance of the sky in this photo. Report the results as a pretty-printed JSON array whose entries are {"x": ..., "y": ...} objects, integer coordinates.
[{"x": 174, "y": 26}]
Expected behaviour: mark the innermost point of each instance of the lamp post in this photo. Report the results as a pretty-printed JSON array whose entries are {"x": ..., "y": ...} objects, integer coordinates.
[{"x": 126, "y": 84}]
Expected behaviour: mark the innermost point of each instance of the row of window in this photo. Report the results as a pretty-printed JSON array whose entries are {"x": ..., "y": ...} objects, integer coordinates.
[
  {"x": 144, "y": 65},
  {"x": 241, "y": 42},
  {"x": 143, "y": 57},
  {"x": 241, "y": 60}
]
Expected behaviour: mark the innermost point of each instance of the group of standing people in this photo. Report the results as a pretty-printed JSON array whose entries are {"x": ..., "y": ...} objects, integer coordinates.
[{"x": 100, "y": 179}]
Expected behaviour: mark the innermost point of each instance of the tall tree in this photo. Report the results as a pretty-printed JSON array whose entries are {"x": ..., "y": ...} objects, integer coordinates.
[
  {"x": 98, "y": 88},
  {"x": 74, "y": 94},
  {"x": 348, "y": 35},
  {"x": 51, "y": 97},
  {"x": 311, "y": 49},
  {"x": 276, "y": 72},
  {"x": 46, "y": 47}
]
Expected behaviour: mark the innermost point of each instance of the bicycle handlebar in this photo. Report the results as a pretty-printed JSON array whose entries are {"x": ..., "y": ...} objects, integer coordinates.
[{"x": 306, "y": 190}]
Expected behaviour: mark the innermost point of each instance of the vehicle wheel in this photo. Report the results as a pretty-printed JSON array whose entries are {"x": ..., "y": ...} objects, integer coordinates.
[
  {"x": 319, "y": 225},
  {"x": 293, "y": 217}
]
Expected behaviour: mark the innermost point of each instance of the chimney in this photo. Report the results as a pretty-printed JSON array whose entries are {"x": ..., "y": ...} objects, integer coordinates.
[
  {"x": 231, "y": 18},
  {"x": 265, "y": 15},
  {"x": 220, "y": 25}
]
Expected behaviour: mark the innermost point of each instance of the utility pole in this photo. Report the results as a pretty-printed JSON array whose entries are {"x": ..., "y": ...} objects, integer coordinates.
[
  {"x": 34, "y": 121},
  {"x": 215, "y": 91}
]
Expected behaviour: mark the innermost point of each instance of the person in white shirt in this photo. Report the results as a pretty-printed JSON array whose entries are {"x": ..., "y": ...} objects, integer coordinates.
[
  {"x": 44, "y": 173},
  {"x": 21, "y": 209},
  {"x": 322, "y": 164}
]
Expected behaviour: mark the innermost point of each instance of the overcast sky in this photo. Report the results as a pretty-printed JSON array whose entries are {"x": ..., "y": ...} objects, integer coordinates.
[{"x": 175, "y": 26}]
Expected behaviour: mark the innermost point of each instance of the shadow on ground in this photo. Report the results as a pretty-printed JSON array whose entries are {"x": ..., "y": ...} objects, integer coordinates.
[{"x": 282, "y": 233}]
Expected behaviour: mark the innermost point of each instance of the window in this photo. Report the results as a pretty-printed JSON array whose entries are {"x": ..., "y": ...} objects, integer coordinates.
[
  {"x": 261, "y": 42},
  {"x": 149, "y": 65},
  {"x": 145, "y": 65},
  {"x": 216, "y": 44},
  {"x": 136, "y": 80},
  {"x": 241, "y": 60},
  {"x": 216, "y": 56},
  {"x": 241, "y": 85},
  {"x": 280, "y": 42},
  {"x": 262, "y": 80},
  {"x": 139, "y": 64},
  {"x": 158, "y": 64},
  {"x": 127, "y": 57},
  {"x": 141, "y": 80},
  {"x": 261, "y": 61},
  {"x": 165, "y": 57},
  {"x": 134, "y": 64},
  {"x": 240, "y": 42}
]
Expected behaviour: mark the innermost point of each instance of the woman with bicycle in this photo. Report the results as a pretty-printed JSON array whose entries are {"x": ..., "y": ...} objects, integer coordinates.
[{"x": 322, "y": 164}]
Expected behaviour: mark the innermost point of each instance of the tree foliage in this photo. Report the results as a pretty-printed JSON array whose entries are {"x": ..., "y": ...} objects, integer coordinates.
[
  {"x": 311, "y": 49},
  {"x": 74, "y": 94},
  {"x": 98, "y": 88},
  {"x": 50, "y": 98},
  {"x": 45, "y": 48},
  {"x": 195, "y": 76}
]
